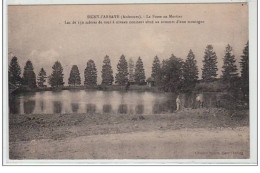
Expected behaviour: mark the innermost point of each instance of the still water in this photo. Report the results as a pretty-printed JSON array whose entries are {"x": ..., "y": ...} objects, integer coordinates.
[{"x": 85, "y": 101}]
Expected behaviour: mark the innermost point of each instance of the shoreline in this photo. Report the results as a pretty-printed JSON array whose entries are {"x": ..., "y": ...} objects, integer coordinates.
[{"x": 94, "y": 88}]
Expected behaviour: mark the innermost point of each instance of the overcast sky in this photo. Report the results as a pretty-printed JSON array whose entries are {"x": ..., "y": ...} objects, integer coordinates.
[{"x": 38, "y": 33}]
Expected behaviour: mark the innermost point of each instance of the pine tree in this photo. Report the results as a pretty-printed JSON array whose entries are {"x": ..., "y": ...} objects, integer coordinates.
[
  {"x": 131, "y": 70},
  {"x": 163, "y": 74},
  {"x": 190, "y": 71},
  {"x": 90, "y": 74},
  {"x": 29, "y": 77},
  {"x": 245, "y": 64},
  {"x": 14, "y": 72},
  {"x": 107, "y": 72},
  {"x": 74, "y": 78},
  {"x": 156, "y": 70},
  {"x": 139, "y": 72},
  {"x": 56, "y": 78},
  {"x": 209, "y": 70},
  {"x": 245, "y": 71},
  {"x": 171, "y": 74},
  {"x": 41, "y": 79},
  {"x": 229, "y": 68},
  {"x": 122, "y": 71}
]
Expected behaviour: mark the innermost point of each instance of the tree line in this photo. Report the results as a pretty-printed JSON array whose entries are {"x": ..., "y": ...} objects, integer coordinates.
[{"x": 172, "y": 74}]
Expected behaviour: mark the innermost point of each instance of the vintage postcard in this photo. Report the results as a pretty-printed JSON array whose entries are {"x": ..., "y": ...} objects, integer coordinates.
[{"x": 132, "y": 83}]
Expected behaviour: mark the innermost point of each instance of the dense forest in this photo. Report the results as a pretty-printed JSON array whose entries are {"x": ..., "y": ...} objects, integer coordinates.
[{"x": 173, "y": 74}]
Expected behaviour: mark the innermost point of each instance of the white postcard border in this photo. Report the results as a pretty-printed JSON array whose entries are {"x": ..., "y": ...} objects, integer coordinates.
[{"x": 252, "y": 4}]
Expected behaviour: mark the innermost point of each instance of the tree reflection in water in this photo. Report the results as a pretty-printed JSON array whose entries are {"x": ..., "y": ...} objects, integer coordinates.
[
  {"x": 122, "y": 109},
  {"x": 28, "y": 106},
  {"x": 74, "y": 107},
  {"x": 57, "y": 107},
  {"x": 91, "y": 108},
  {"x": 42, "y": 105},
  {"x": 157, "y": 108},
  {"x": 107, "y": 108},
  {"x": 139, "y": 109},
  {"x": 14, "y": 105}
]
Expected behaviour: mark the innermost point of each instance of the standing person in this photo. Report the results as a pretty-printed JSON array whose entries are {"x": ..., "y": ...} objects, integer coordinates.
[
  {"x": 200, "y": 100},
  {"x": 178, "y": 103}
]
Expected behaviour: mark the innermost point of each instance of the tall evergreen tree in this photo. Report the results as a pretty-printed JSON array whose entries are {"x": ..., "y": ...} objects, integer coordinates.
[
  {"x": 156, "y": 70},
  {"x": 163, "y": 74},
  {"x": 90, "y": 74},
  {"x": 56, "y": 78},
  {"x": 209, "y": 70},
  {"x": 41, "y": 79},
  {"x": 229, "y": 68},
  {"x": 245, "y": 70},
  {"x": 122, "y": 71},
  {"x": 245, "y": 64},
  {"x": 14, "y": 72},
  {"x": 131, "y": 70},
  {"x": 29, "y": 77},
  {"x": 171, "y": 74},
  {"x": 190, "y": 71},
  {"x": 74, "y": 78},
  {"x": 107, "y": 72},
  {"x": 139, "y": 72}
]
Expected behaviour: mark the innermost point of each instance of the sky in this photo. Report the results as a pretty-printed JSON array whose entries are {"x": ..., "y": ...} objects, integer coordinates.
[{"x": 39, "y": 33}]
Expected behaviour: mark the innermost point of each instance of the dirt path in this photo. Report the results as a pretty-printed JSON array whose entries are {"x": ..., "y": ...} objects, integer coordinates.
[{"x": 169, "y": 144}]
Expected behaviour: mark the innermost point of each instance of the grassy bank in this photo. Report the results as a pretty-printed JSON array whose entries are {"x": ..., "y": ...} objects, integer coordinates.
[
  {"x": 57, "y": 126},
  {"x": 200, "y": 133}
]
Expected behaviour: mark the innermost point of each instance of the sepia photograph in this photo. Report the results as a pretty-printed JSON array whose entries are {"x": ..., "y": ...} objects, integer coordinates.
[{"x": 128, "y": 81}]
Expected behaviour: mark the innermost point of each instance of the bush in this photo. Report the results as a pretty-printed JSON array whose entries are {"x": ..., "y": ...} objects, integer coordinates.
[{"x": 212, "y": 86}]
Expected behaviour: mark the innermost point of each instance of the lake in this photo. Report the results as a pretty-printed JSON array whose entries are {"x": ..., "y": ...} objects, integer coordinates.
[{"x": 116, "y": 102}]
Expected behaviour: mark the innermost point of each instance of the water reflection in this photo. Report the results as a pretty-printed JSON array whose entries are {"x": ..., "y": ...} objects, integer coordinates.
[
  {"x": 57, "y": 107},
  {"x": 91, "y": 108},
  {"x": 86, "y": 101},
  {"x": 107, "y": 108},
  {"x": 14, "y": 105},
  {"x": 28, "y": 106},
  {"x": 122, "y": 109},
  {"x": 42, "y": 105},
  {"x": 131, "y": 109},
  {"x": 139, "y": 109},
  {"x": 157, "y": 108},
  {"x": 74, "y": 107}
]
